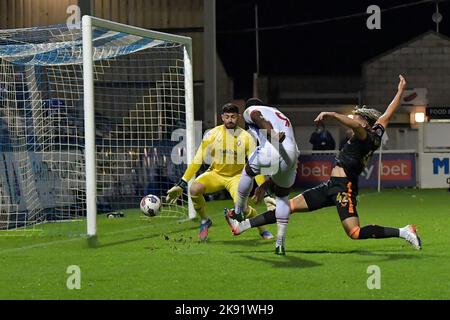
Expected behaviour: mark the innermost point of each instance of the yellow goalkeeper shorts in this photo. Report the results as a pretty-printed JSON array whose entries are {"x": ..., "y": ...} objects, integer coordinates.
[{"x": 215, "y": 182}]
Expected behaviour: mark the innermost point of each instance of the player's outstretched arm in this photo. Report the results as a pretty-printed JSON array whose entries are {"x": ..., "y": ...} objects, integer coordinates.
[
  {"x": 357, "y": 128},
  {"x": 384, "y": 119},
  {"x": 176, "y": 191},
  {"x": 259, "y": 120},
  {"x": 262, "y": 192}
]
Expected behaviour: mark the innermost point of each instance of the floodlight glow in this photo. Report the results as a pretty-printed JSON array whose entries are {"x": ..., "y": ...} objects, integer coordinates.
[{"x": 419, "y": 117}]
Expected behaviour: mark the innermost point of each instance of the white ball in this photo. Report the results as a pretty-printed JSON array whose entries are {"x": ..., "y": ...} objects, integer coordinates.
[{"x": 150, "y": 205}]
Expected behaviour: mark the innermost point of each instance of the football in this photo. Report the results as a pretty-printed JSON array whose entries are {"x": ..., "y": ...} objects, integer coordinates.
[{"x": 150, "y": 205}]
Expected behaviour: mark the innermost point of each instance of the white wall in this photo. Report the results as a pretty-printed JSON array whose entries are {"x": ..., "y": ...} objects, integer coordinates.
[
  {"x": 402, "y": 139},
  {"x": 437, "y": 135}
]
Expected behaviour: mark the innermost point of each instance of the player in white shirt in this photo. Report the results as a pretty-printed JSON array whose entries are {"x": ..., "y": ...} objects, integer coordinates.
[{"x": 276, "y": 157}]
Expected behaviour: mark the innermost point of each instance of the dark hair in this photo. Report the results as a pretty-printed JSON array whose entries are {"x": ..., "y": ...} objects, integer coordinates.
[
  {"x": 253, "y": 102},
  {"x": 230, "y": 108}
]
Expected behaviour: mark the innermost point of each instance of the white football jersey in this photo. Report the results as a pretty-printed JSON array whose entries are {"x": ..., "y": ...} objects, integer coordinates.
[{"x": 279, "y": 121}]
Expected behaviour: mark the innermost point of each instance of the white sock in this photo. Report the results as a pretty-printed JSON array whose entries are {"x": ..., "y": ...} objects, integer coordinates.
[
  {"x": 281, "y": 233},
  {"x": 403, "y": 232},
  {"x": 282, "y": 214},
  {"x": 244, "y": 225},
  {"x": 244, "y": 189}
]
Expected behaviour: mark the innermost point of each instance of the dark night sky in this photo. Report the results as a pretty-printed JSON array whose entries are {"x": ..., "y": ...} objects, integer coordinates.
[{"x": 331, "y": 48}]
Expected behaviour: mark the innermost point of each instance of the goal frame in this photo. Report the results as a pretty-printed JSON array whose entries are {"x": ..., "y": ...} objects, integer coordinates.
[{"x": 88, "y": 22}]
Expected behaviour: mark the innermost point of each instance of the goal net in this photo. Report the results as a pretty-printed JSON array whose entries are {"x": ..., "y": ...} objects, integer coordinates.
[{"x": 81, "y": 137}]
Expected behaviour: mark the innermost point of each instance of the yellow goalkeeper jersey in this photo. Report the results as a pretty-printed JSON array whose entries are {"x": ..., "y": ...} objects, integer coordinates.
[{"x": 225, "y": 150}]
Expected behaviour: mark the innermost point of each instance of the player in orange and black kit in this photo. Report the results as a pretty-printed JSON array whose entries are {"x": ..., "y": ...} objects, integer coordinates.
[{"x": 368, "y": 127}]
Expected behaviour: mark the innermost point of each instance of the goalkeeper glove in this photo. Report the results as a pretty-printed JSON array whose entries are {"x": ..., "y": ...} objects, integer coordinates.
[
  {"x": 174, "y": 193},
  {"x": 270, "y": 203}
]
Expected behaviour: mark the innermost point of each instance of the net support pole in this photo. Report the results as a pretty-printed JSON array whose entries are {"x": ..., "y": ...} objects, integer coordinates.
[
  {"x": 421, "y": 150},
  {"x": 380, "y": 167},
  {"x": 89, "y": 130},
  {"x": 189, "y": 100}
]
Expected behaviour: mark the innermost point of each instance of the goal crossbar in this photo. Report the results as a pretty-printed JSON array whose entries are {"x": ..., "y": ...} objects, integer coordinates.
[{"x": 123, "y": 28}]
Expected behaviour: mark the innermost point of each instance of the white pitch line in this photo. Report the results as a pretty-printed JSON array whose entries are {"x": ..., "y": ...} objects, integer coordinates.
[
  {"x": 40, "y": 245},
  {"x": 45, "y": 244}
]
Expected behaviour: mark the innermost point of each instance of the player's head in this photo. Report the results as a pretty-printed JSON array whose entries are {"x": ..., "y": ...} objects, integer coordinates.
[
  {"x": 320, "y": 127},
  {"x": 366, "y": 116},
  {"x": 230, "y": 116},
  {"x": 253, "y": 102}
]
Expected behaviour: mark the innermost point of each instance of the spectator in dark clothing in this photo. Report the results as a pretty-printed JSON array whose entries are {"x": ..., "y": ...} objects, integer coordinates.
[{"x": 321, "y": 139}]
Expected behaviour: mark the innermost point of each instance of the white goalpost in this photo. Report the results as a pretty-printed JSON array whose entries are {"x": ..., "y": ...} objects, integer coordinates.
[{"x": 88, "y": 115}]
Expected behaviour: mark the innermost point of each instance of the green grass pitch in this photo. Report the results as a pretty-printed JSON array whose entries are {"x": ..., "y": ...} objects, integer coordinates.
[{"x": 159, "y": 258}]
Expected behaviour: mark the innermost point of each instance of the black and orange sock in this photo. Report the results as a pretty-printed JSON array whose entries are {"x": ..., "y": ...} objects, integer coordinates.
[
  {"x": 378, "y": 232},
  {"x": 263, "y": 219}
]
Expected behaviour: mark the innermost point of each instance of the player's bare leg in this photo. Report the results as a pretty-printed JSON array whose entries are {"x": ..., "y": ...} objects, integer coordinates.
[
  {"x": 196, "y": 191},
  {"x": 298, "y": 204}
]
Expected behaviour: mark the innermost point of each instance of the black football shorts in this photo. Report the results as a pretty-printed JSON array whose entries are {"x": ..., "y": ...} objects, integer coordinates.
[{"x": 337, "y": 192}]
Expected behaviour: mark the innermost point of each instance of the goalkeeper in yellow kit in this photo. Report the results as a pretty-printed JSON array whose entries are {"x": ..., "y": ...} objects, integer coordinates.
[{"x": 228, "y": 146}]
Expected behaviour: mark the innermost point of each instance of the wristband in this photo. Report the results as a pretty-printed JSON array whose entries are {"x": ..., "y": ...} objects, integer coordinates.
[{"x": 182, "y": 184}]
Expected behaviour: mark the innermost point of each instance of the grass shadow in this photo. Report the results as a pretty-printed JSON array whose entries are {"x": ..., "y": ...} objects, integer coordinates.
[
  {"x": 325, "y": 251},
  {"x": 389, "y": 255},
  {"x": 386, "y": 255},
  {"x": 243, "y": 242},
  {"x": 288, "y": 261}
]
